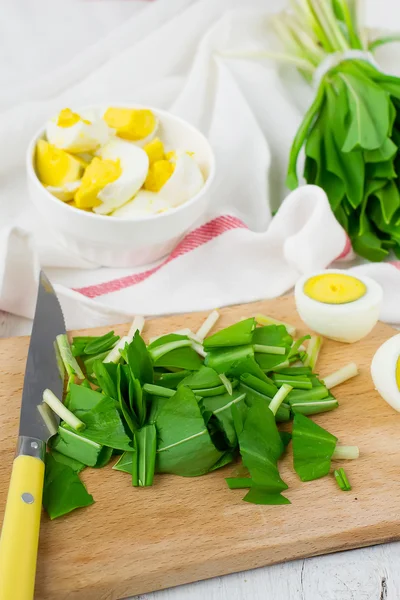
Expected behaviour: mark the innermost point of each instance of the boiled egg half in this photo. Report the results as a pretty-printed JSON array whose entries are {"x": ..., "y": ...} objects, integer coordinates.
[
  {"x": 337, "y": 305},
  {"x": 113, "y": 177},
  {"x": 385, "y": 371},
  {"x": 137, "y": 125},
  {"x": 77, "y": 132}
]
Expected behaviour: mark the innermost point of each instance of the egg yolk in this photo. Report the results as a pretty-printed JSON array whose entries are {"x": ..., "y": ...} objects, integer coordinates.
[
  {"x": 129, "y": 123},
  {"x": 98, "y": 174},
  {"x": 56, "y": 167},
  {"x": 334, "y": 288},
  {"x": 154, "y": 150},
  {"x": 158, "y": 175},
  {"x": 67, "y": 118}
]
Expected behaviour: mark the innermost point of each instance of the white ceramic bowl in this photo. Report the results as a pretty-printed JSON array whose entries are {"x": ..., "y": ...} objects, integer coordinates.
[{"x": 113, "y": 242}]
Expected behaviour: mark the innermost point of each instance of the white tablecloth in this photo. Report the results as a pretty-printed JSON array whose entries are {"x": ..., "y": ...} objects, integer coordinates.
[{"x": 171, "y": 54}]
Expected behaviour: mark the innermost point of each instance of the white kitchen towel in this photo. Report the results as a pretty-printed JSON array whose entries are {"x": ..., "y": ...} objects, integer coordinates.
[{"x": 175, "y": 54}]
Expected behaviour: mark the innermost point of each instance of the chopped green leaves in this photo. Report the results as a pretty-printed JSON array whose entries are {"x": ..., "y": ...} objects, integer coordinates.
[
  {"x": 164, "y": 409},
  {"x": 184, "y": 443},
  {"x": 313, "y": 447},
  {"x": 63, "y": 491}
]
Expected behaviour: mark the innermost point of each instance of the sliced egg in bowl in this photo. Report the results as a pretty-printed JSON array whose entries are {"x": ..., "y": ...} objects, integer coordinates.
[
  {"x": 338, "y": 305},
  {"x": 75, "y": 132},
  {"x": 137, "y": 125},
  {"x": 113, "y": 177}
]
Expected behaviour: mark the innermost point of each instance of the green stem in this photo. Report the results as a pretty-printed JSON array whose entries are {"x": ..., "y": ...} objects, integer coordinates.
[
  {"x": 62, "y": 411},
  {"x": 269, "y": 349},
  {"x": 70, "y": 363},
  {"x": 159, "y": 351},
  {"x": 279, "y": 397},
  {"x": 158, "y": 390},
  {"x": 346, "y": 453},
  {"x": 227, "y": 383},
  {"x": 388, "y": 39},
  {"x": 341, "y": 375},
  {"x": 208, "y": 324},
  {"x": 313, "y": 349},
  {"x": 341, "y": 479},
  {"x": 292, "y": 180}
]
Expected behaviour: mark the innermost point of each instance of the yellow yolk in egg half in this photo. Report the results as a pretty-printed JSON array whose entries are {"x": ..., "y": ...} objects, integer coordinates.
[
  {"x": 129, "y": 123},
  {"x": 67, "y": 118},
  {"x": 334, "y": 288},
  {"x": 98, "y": 174},
  {"x": 56, "y": 167}
]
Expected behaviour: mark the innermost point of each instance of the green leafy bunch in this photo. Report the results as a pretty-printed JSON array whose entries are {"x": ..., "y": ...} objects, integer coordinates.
[{"x": 351, "y": 132}]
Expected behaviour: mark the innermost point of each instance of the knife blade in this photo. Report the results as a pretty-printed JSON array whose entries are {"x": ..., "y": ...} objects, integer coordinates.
[
  {"x": 20, "y": 531},
  {"x": 41, "y": 366}
]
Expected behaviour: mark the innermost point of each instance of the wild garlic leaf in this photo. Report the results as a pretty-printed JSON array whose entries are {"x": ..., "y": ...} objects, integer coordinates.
[
  {"x": 389, "y": 199},
  {"x": 313, "y": 447},
  {"x": 75, "y": 465},
  {"x": 184, "y": 444},
  {"x": 104, "y": 343},
  {"x": 239, "y": 334},
  {"x": 369, "y": 111},
  {"x": 385, "y": 152},
  {"x": 75, "y": 446},
  {"x": 221, "y": 408},
  {"x": 144, "y": 456},
  {"x": 105, "y": 381},
  {"x": 203, "y": 378},
  {"x": 348, "y": 167},
  {"x": 124, "y": 463},
  {"x": 101, "y": 417},
  {"x": 223, "y": 360},
  {"x": 138, "y": 359},
  {"x": 63, "y": 491},
  {"x": 260, "y": 447}
]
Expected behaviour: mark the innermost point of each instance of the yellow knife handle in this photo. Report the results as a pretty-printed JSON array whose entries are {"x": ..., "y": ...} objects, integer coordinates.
[{"x": 20, "y": 532}]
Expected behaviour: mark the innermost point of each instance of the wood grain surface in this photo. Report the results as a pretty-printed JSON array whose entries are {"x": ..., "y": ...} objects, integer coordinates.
[{"x": 181, "y": 530}]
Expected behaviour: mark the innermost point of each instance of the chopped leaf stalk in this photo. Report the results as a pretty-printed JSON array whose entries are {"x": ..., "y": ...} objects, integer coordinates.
[
  {"x": 208, "y": 324},
  {"x": 48, "y": 417},
  {"x": 114, "y": 356},
  {"x": 70, "y": 363},
  {"x": 279, "y": 397},
  {"x": 302, "y": 382},
  {"x": 227, "y": 383},
  {"x": 199, "y": 349},
  {"x": 268, "y": 349},
  {"x": 340, "y": 376},
  {"x": 346, "y": 453},
  {"x": 341, "y": 479},
  {"x": 62, "y": 411},
  {"x": 159, "y": 351},
  {"x": 158, "y": 390},
  {"x": 313, "y": 349}
]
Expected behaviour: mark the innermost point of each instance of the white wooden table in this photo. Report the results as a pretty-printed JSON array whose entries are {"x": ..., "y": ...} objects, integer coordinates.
[{"x": 367, "y": 574}]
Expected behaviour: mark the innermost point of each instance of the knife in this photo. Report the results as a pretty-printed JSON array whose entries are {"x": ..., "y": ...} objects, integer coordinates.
[{"x": 20, "y": 532}]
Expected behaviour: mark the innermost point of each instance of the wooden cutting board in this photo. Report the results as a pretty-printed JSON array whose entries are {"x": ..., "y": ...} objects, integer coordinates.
[{"x": 181, "y": 530}]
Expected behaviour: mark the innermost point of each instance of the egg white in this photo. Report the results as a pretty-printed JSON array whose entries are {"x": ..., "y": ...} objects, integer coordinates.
[
  {"x": 383, "y": 371},
  {"x": 80, "y": 137},
  {"x": 134, "y": 164},
  {"x": 145, "y": 203},
  {"x": 65, "y": 192},
  {"x": 348, "y": 322},
  {"x": 184, "y": 183}
]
